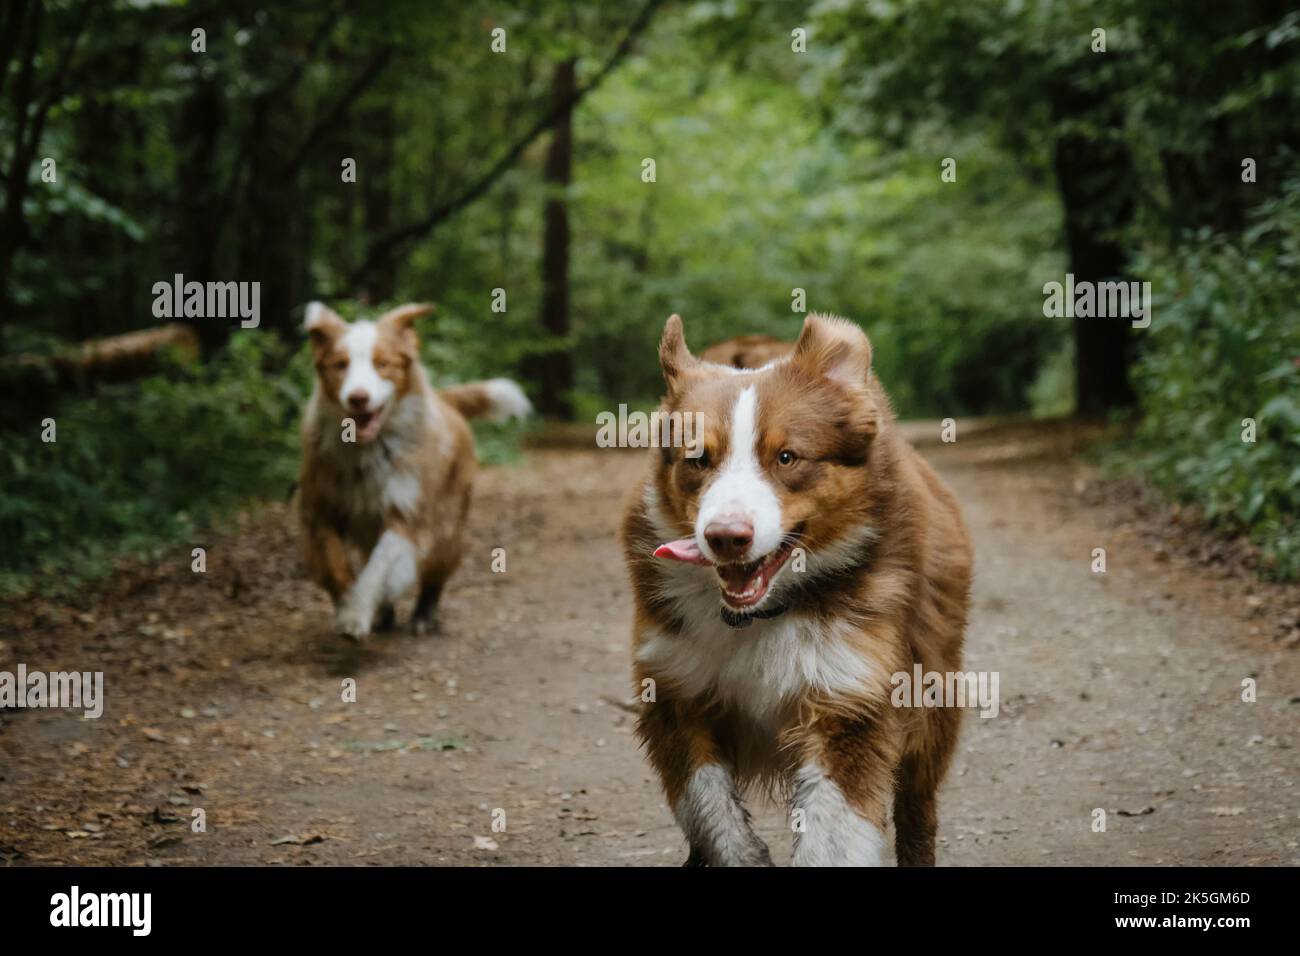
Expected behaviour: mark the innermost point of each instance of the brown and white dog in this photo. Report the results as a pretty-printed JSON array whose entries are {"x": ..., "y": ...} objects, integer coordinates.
[
  {"x": 780, "y": 579},
  {"x": 387, "y": 467},
  {"x": 747, "y": 351}
]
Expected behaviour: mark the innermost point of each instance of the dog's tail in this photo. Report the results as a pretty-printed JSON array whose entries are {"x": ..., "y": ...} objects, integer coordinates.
[{"x": 497, "y": 399}]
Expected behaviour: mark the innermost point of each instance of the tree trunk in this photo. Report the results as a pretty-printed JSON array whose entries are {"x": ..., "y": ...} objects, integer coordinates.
[
  {"x": 268, "y": 252},
  {"x": 202, "y": 121},
  {"x": 555, "y": 368},
  {"x": 377, "y": 194},
  {"x": 1095, "y": 175},
  {"x": 22, "y": 40}
]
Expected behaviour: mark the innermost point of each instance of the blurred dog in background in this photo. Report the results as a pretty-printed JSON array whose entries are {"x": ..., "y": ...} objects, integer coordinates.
[{"x": 388, "y": 466}]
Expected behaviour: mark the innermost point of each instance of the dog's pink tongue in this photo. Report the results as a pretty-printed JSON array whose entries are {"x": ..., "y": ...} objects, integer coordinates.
[{"x": 684, "y": 549}]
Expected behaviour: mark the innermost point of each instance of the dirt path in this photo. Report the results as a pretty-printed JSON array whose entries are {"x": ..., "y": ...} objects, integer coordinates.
[{"x": 1120, "y": 691}]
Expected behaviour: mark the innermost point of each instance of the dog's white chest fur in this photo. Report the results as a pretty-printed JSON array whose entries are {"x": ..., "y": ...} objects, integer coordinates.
[
  {"x": 382, "y": 485},
  {"x": 382, "y": 477},
  {"x": 759, "y": 669}
]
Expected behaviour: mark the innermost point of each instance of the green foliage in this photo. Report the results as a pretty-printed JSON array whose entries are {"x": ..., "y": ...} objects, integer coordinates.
[
  {"x": 141, "y": 464},
  {"x": 1225, "y": 346},
  {"x": 754, "y": 198}
]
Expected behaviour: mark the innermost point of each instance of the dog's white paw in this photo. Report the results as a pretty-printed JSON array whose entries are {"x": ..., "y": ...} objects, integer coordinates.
[{"x": 351, "y": 622}]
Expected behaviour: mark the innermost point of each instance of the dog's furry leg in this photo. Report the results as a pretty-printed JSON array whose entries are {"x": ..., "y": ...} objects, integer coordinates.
[
  {"x": 832, "y": 831},
  {"x": 326, "y": 558},
  {"x": 401, "y": 571},
  {"x": 700, "y": 787},
  {"x": 919, "y": 775},
  {"x": 424, "y": 620},
  {"x": 717, "y": 825},
  {"x": 391, "y": 563},
  {"x": 841, "y": 790}
]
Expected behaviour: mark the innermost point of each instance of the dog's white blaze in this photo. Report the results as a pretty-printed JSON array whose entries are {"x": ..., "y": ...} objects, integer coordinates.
[
  {"x": 359, "y": 342},
  {"x": 740, "y": 488},
  {"x": 833, "y": 833}
]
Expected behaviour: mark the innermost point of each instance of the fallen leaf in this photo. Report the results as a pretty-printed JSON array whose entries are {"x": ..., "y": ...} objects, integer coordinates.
[{"x": 293, "y": 840}]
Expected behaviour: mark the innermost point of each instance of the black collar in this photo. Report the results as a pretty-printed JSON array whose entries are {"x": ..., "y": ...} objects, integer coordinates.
[{"x": 736, "y": 620}]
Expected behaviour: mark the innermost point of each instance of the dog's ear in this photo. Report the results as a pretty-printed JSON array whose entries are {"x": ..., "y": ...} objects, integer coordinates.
[
  {"x": 674, "y": 357},
  {"x": 401, "y": 321},
  {"x": 835, "y": 348},
  {"x": 403, "y": 317},
  {"x": 323, "y": 326}
]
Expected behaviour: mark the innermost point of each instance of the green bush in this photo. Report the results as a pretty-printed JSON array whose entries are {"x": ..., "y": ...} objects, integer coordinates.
[
  {"x": 142, "y": 463},
  {"x": 1224, "y": 347}
]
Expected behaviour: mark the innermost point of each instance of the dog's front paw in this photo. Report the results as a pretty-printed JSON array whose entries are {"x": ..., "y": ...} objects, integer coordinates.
[
  {"x": 352, "y": 623},
  {"x": 422, "y": 625}
]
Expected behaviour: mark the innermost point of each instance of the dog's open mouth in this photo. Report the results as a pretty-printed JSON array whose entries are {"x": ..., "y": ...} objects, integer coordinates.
[
  {"x": 369, "y": 423},
  {"x": 743, "y": 585}
]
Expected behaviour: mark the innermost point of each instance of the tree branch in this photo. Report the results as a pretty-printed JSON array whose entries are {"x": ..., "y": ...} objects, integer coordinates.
[
  {"x": 11, "y": 28},
  {"x": 55, "y": 92},
  {"x": 340, "y": 109},
  {"x": 14, "y": 233},
  {"x": 384, "y": 247},
  {"x": 291, "y": 78},
  {"x": 242, "y": 168},
  {"x": 22, "y": 94}
]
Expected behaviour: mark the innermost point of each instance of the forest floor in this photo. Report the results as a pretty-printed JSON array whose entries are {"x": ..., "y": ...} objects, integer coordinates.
[{"x": 1120, "y": 691}]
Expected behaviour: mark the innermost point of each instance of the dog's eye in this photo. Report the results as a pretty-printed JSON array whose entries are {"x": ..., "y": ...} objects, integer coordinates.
[
  {"x": 340, "y": 365},
  {"x": 381, "y": 365},
  {"x": 701, "y": 461},
  {"x": 787, "y": 457}
]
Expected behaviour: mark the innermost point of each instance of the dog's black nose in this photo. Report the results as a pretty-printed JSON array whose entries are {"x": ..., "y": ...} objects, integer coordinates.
[
  {"x": 359, "y": 400},
  {"x": 729, "y": 537}
]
